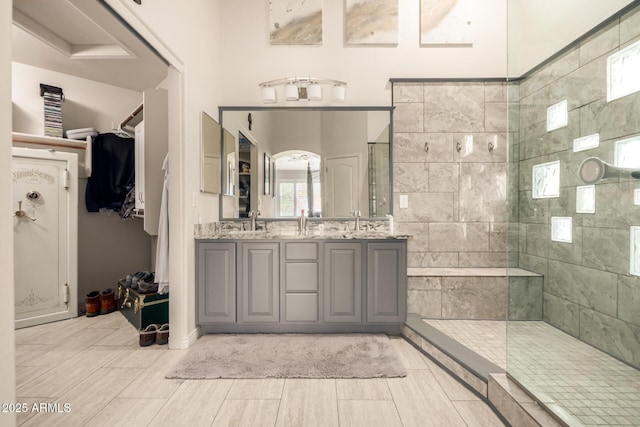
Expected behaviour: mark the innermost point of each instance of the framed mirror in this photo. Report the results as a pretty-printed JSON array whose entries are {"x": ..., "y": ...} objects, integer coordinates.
[
  {"x": 330, "y": 161},
  {"x": 210, "y": 140}
]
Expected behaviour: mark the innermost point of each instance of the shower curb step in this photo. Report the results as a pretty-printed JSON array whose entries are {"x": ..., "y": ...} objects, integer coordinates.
[
  {"x": 489, "y": 381},
  {"x": 467, "y": 365},
  {"x": 516, "y": 406}
]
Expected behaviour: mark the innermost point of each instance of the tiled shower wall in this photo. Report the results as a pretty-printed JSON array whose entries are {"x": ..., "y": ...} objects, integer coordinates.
[
  {"x": 456, "y": 186},
  {"x": 589, "y": 292}
]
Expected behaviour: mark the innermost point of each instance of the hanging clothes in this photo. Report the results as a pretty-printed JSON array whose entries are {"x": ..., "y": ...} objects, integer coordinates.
[
  {"x": 162, "y": 246},
  {"x": 113, "y": 172}
]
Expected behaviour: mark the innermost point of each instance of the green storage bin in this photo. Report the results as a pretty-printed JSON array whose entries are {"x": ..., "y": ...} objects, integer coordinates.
[{"x": 142, "y": 309}]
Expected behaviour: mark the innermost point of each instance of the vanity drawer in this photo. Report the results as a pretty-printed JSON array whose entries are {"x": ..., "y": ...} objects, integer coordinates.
[
  {"x": 301, "y": 307},
  {"x": 301, "y": 276},
  {"x": 301, "y": 251}
]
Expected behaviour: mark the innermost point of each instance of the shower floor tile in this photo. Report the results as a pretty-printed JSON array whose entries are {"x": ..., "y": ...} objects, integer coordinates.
[{"x": 591, "y": 386}]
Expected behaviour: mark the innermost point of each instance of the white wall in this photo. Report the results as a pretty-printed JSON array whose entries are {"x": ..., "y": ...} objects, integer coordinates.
[
  {"x": 186, "y": 33},
  {"x": 87, "y": 103},
  {"x": 297, "y": 130},
  {"x": 247, "y": 58},
  {"x": 539, "y": 29},
  {"x": 7, "y": 335}
]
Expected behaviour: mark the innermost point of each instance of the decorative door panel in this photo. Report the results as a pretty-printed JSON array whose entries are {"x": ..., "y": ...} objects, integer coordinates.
[{"x": 45, "y": 235}]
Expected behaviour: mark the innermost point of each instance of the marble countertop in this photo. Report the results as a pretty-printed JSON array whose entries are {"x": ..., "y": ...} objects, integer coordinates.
[{"x": 295, "y": 235}]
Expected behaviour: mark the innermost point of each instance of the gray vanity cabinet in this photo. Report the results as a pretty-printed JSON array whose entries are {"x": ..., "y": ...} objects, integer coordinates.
[
  {"x": 301, "y": 277},
  {"x": 259, "y": 279},
  {"x": 301, "y": 285},
  {"x": 216, "y": 282},
  {"x": 342, "y": 282},
  {"x": 386, "y": 282}
]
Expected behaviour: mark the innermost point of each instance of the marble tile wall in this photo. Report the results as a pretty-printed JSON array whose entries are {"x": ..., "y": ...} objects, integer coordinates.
[
  {"x": 476, "y": 298},
  {"x": 456, "y": 187},
  {"x": 588, "y": 290}
]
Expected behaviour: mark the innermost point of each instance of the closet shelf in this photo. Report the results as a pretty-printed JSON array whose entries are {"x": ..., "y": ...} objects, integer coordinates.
[
  {"x": 83, "y": 148},
  {"x": 129, "y": 121}
]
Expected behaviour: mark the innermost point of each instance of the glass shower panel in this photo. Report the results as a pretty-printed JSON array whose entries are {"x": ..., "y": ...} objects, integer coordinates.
[
  {"x": 578, "y": 353},
  {"x": 378, "y": 179}
]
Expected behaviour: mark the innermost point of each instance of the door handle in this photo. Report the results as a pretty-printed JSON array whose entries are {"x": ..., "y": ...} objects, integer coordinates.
[{"x": 22, "y": 214}]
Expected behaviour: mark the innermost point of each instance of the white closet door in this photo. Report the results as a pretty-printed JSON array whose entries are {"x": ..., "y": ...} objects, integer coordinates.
[
  {"x": 139, "y": 165},
  {"x": 45, "y": 198}
]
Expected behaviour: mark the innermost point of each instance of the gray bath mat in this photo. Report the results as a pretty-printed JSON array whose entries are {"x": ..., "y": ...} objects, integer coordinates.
[{"x": 290, "y": 356}]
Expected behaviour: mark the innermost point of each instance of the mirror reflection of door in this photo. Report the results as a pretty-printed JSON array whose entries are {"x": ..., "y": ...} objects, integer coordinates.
[
  {"x": 229, "y": 146},
  {"x": 297, "y": 184},
  {"x": 210, "y": 140},
  {"x": 342, "y": 184}
]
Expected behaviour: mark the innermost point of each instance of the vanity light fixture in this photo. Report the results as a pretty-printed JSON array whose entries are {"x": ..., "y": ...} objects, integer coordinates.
[
  {"x": 268, "y": 94},
  {"x": 291, "y": 92},
  {"x": 302, "y": 89}
]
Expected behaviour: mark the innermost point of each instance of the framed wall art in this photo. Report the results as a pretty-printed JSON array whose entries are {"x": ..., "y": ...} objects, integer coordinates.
[
  {"x": 446, "y": 22},
  {"x": 295, "y": 22},
  {"x": 371, "y": 22}
]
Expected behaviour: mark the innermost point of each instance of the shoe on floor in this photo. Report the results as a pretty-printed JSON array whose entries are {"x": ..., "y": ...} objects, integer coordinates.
[
  {"x": 107, "y": 301},
  {"x": 162, "y": 336},
  {"x": 92, "y": 303},
  {"x": 148, "y": 335}
]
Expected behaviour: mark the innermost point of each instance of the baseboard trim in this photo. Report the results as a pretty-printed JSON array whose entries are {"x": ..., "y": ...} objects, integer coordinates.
[{"x": 184, "y": 343}]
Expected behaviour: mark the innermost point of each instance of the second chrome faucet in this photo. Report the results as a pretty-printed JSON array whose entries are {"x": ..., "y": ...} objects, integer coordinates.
[
  {"x": 302, "y": 223},
  {"x": 254, "y": 216}
]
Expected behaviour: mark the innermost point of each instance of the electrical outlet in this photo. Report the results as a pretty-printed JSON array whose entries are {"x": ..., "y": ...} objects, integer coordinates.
[{"x": 404, "y": 201}]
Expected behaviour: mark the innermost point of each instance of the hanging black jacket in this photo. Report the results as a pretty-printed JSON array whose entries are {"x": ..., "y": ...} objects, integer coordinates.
[{"x": 112, "y": 172}]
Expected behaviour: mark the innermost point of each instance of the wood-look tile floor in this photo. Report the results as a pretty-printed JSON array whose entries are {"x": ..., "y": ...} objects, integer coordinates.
[{"x": 96, "y": 367}]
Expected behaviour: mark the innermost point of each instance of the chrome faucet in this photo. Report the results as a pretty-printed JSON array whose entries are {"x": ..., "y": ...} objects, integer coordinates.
[
  {"x": 302, "y": 223},
  {"x": 357, "y": 215},
  {"x": 253, "y": 214}
]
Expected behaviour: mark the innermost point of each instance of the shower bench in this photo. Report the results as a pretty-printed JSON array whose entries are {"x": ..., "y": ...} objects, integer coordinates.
[{"x": 475, "y": 293}]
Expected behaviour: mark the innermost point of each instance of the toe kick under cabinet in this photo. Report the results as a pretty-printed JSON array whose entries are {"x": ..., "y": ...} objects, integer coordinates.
[{"x": 301, "y": 285}]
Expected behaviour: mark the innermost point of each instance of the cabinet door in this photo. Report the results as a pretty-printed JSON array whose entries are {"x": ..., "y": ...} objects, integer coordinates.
[
  {"x": 156, "y": 145},
  {"x": 342, "y": 282},
  {"x": 386, "y": 282},
  {"x": 260, "y": 282},
  {"x": 139, "y": 166},
  {"x": 216, "y": 282}
]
